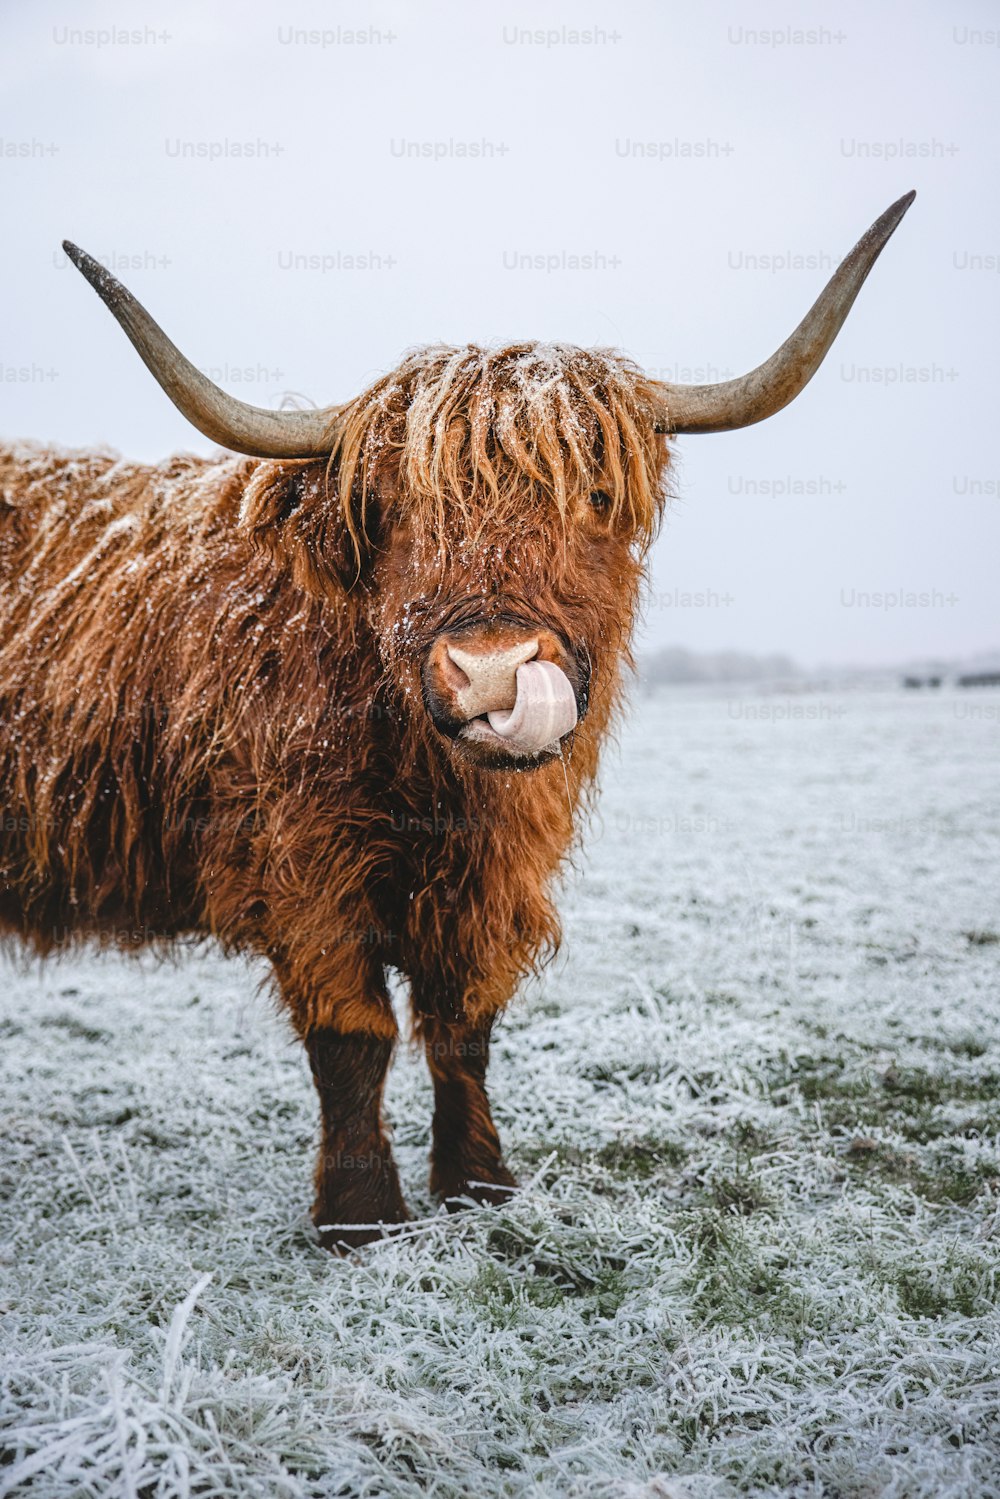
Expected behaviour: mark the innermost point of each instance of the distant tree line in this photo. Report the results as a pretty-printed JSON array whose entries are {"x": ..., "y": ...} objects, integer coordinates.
[{"x": 675, "y": 664}]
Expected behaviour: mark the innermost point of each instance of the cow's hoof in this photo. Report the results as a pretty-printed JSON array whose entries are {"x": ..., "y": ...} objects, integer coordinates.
[
  {"x": 346, "y": 1221},
  {"x": 345, "y": 1238},
  {"x": 489, "y": 1188}
]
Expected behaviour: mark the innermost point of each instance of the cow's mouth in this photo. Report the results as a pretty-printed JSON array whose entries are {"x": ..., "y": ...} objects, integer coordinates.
[
  {"x": 531, "y": 731},
  {"x": 507, "y": 695},
  {"x": 479, "y": 731},
  {"x": 478, "y": 742}
]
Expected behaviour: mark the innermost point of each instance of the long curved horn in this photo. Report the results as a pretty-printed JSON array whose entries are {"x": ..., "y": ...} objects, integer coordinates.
[
  {"x": 752, "y": 397},
  {"x": 221, "y": 417}
]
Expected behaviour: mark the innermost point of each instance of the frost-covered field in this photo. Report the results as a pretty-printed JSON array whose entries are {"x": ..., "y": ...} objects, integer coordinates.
[{"x": 756, "y": 1105}]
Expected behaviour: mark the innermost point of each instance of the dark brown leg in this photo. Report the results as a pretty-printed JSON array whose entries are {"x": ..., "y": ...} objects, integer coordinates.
[
  {"x": 356, "y": 1179},
  {"x": 466, "y": 1160}
]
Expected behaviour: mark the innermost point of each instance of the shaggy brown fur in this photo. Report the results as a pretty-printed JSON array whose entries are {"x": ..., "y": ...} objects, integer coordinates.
[{"x": 212, "y": 722}]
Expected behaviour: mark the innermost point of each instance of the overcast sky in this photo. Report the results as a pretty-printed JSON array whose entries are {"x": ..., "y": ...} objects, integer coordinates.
[{"x": 237, "y": 160}]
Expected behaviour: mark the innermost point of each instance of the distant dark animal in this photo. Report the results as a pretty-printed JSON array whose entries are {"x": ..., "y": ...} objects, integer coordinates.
[{"x": 338, "y": 702}]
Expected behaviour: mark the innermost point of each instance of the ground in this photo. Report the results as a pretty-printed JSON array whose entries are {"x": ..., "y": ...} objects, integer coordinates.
[{"x": 755, "y": 1105}]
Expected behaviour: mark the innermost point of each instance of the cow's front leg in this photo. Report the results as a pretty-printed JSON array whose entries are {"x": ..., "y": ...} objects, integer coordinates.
[
  {"x": 340, "y": 1008},
  {"x": 466, "y": 1160},
  {"x": 357, "y": 1185}
]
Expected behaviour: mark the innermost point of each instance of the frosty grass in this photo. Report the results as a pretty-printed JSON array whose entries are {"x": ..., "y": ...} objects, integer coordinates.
[{"x": 755, "y": 1104}]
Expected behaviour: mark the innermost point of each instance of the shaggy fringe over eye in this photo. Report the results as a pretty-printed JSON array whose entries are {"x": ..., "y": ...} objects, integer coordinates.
[{"x": 526, "y": 422}]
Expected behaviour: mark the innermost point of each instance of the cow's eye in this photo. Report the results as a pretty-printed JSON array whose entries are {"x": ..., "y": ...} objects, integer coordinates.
[{"x": 600, "y": 501}]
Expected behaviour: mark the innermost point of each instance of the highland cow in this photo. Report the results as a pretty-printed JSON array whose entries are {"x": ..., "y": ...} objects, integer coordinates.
[{"x": 338, "y": 702}]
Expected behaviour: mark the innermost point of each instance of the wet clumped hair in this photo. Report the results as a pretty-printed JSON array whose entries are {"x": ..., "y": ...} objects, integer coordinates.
[{"x": 474, "y": 424}]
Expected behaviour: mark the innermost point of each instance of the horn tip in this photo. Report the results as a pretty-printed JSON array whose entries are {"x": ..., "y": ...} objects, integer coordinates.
[
  {"x": 108, "y": 289},
  {"x": 84, "y": 263},
  {"x": 885, "y": 225},
  {"x": 895, "y": 211}
]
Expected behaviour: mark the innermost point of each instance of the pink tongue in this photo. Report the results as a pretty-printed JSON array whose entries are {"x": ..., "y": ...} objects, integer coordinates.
[{"x": 544, "y": 709}]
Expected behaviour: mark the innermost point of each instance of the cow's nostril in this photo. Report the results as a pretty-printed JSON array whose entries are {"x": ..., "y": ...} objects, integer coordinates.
[{"x": 455, "y": 676}]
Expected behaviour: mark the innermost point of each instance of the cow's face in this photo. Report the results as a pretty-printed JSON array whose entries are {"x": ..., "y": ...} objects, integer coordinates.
[
  {"x": 459, "y": 619},
  {"x": 503, "y": 584}
]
